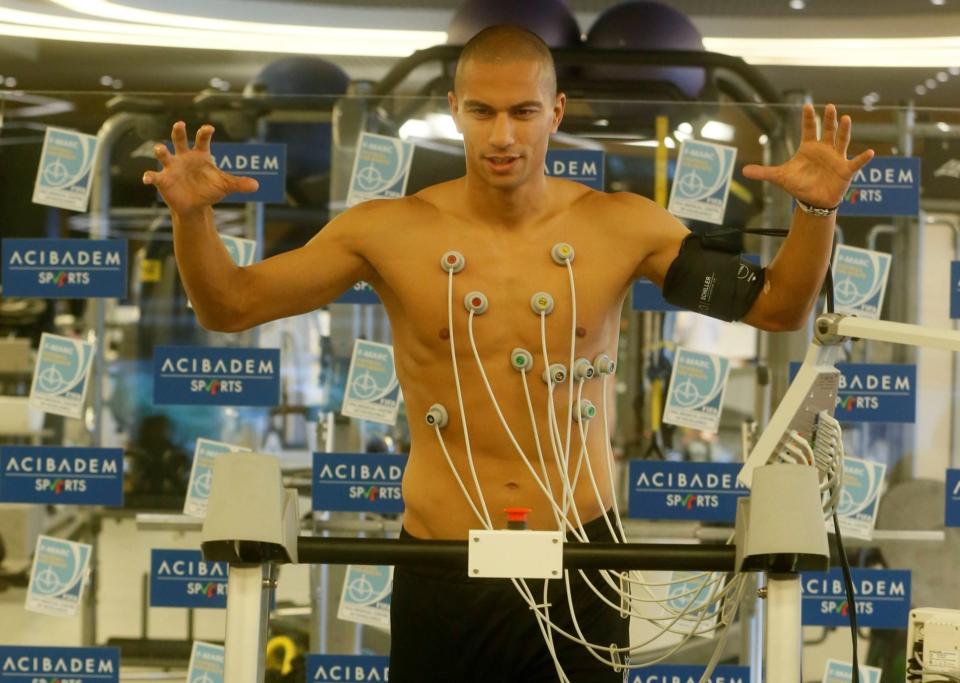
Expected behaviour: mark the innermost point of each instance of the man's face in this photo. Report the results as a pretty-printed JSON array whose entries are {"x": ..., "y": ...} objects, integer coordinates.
[{"x": 506, "y": 115}]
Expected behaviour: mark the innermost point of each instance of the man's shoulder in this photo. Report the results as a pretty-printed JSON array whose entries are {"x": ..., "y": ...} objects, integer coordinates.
[
  {"x": 385, "y": 207},
  {"x": 610, "y": 205},
  {"x": 439, "y": 196}
]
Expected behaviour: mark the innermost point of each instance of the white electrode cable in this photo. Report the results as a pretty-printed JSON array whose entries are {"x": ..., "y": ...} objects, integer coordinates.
[
  {"x": 609, "y": 452},
  {"x": 456, "y": 475},
  {"x": 536, "y": 439},
  {"x": 500, "y": 416},
  {"x": 463, "y": 415},
  {"x": 573, "y": 355}
]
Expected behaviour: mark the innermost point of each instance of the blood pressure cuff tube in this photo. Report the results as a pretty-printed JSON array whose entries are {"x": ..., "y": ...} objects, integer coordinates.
[{"x": 712, "y": 281}]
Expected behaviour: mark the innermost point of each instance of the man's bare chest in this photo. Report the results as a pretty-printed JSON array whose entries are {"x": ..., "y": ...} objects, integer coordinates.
[{"x": 511, "y": 273}]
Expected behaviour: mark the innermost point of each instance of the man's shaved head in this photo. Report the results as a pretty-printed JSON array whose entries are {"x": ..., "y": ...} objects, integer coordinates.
[{"x": 506, "y": 44}]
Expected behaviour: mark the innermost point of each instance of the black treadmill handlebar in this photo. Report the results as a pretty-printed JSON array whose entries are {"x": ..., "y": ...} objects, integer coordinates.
[{"x": 453, "y": 554}]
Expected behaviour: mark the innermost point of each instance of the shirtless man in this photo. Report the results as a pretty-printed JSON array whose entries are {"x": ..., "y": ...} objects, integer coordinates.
[{"x": 503, "y": 216}]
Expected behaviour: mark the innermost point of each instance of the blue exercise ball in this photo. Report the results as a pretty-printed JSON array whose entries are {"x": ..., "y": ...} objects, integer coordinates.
[
  {"x": 308, "y": 144},
  {"x": 552, "y": 20},
  {"x": 646, "y": 25}
]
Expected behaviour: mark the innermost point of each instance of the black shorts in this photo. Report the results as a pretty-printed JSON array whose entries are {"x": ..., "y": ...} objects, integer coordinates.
[{"x": 446, "y": 626}]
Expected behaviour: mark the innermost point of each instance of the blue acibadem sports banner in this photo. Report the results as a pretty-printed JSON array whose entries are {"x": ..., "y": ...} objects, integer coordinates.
[
  {"x": 201, "y": 375},
  {"x": 65, "y": 268}
]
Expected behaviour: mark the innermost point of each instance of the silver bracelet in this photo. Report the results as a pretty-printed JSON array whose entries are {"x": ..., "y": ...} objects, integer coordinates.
[{"x": 816, "y": 210}]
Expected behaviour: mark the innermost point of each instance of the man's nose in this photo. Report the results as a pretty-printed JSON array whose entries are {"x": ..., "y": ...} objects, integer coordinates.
[{"x": 501, "y": 135}]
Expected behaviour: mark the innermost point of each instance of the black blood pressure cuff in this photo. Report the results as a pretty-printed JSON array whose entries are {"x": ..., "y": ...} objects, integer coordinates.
[{"x": 710, "y": 280}]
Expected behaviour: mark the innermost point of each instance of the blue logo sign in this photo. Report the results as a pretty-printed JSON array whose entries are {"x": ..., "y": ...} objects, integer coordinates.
[
  {"x": 705, "y": 491},
  {"x": 65, "y": 269},
  {"x": 842, "y": 672},
  {"x": 65, "y": 174},
  {"x": 264, "y": 162},
  {"x": 955, "y": 289},
  {"x": 684, "y": 673},
  {"x": 241, "y": 250},
  {"x": 380, "y": 169},
  {"x": 887, "y": 186},
  {"x": 57, "y": 580},
  {"x": 874, "y": 392},
  {"x": 206, "y": 663},
  {"x": 582, "y": 165},
  {"x": 23, "y": 663},
  {"x": 882, "y": 598},
  {"x": 697, "y": 385},
  {"x": 348, "y": 668},
  {"x": 60, "y": 378},
  {"x": 952, "y": 513},
  {"x": 181, "y": 578},
  {"x": 860, "y": 281},
  {"x": 701, "y": 183},
  {"x": 201, "y": 375},
  {"x": 68, "y": 476},
  {"x": 360, "y": 293},
  {"x": 358, "y": 482}
]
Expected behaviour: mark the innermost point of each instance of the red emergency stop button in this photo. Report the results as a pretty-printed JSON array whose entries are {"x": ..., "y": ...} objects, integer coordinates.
[{"x": 517, "y": 517}]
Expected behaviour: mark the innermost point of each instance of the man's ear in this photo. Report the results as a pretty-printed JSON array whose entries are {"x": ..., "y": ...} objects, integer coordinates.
[
  {"x": 559, "y": 105},
  {"x": 454, "y": 109}
]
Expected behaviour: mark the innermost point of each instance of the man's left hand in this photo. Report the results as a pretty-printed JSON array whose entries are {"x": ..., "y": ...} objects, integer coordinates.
[{"x": 819, "y": 173}]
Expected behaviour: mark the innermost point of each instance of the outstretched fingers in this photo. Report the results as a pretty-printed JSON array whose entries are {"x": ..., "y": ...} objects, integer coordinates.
[
  {"x": 244, "y": 184},
  {"x": 204, "y": 135},
  {"x": 162, "y": 154},
  {"x": 843, "y": 136},
  {"x": 758, "y": 172},
  {"x": 860, "y": 161},
  {"x": 808, "y": 124},
  {"x": 830, "y": 125},
  {"x": 179, "y": 137}
]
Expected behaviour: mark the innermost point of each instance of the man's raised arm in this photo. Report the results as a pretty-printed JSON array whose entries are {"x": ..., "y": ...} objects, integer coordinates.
[
  {"x": 779, "y": 297},
  {"x": 228, "y": 298}
]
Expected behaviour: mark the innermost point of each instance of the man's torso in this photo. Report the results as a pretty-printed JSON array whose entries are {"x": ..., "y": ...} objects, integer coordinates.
[{"x": 508, "y": 265}]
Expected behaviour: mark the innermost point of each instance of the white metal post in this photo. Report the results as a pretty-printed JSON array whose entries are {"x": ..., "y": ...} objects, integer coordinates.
[
  {"x": 248, "y": 609},
  {"x": 784, "y": 639}
]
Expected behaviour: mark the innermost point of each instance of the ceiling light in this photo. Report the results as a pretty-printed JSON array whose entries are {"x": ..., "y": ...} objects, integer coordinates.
[
  {"x": 763, "y": 139},
  {"x": 943, "y": 76},
  {"x": 797, "y": 4},
  {"x": 715, "y": 130},
  {"x": 259, "y": 37},
  {"x": 166, "y": 29},
  {"x": 954, "y": 70},
  {"x": 667, "y": 142},
  {"x": 920, "y": 90},
  {"x": 603, "y": 123},
  {"x": 415, "y": 128},
  {"x": 326, "y": 40},
  {"x": 10, "y": 82},
  {"x": 944, "y": 127},
  {"x": 938, "y": 3},
  {"x": 931, "y": 83},
  {"x": 435, "y": 126},
  {"x": 933, "y": 52}
]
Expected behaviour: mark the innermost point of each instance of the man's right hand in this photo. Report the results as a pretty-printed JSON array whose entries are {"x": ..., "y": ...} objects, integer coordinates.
[{"x": 190, "y": 180}]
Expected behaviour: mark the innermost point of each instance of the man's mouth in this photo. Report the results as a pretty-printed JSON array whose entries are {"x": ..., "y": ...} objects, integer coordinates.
[{"x": 501, "y": 162}]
